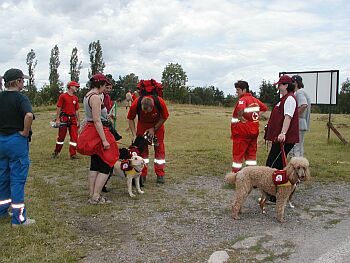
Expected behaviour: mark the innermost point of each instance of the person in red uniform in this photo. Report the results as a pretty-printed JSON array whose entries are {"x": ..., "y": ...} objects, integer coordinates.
[
  {"x": 151, "y": 119},
  {"x": 107, "y": 98},
  {"x": 67, "y": 119},
  {"x": 245, "y": 126},
  {"x": 134, "y": 95}
]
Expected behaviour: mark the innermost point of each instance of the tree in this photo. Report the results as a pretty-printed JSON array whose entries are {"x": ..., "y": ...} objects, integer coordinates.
[
  {"x": 344, "y": 97},
  {"x": 31, "y": 88},
  {"x": 75, "y": 65},
  {"x": 55, "y": 84},
  {"x": 174, "y": 81},
  {"x": 129, "y": 82},
  {"x": 96, "y": 60},
  {"x": 268, "y": 93}
]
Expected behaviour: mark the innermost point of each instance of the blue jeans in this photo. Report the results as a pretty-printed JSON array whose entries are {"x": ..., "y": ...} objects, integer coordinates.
[{"x": 14, "y": 166}]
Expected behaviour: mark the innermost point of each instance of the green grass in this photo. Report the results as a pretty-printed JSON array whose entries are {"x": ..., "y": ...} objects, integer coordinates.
[{"x": 197, "y": 144}]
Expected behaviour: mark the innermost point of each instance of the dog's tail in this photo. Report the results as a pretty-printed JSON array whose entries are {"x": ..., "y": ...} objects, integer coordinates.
[{"x": 230, "y": 178}]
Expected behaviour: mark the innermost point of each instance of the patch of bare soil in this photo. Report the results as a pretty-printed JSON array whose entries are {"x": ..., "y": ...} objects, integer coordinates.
[{"x": 188, "y": 221}]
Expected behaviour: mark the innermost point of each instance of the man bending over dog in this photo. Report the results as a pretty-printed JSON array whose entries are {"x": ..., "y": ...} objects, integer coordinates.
[
  {"x": 245, "y": 127},
  {"x": 152, "y": 113}
]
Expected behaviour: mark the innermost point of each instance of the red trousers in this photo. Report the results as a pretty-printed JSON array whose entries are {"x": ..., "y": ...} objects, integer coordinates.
[
  {"x": 73, "y": 133},
  {"x": 243, "y": 149},
  {"x": 159, "y": 154}
]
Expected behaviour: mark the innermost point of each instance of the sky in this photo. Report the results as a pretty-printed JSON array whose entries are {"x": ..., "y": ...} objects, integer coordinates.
[{"x": 217, "y": 42}]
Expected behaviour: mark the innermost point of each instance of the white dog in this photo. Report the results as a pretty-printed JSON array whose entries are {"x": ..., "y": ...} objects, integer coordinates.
[{"x": 131, "y": 169}]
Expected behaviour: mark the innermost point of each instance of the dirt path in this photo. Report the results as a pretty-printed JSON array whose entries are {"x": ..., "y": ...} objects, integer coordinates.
[{"x": 188, "y": 221}]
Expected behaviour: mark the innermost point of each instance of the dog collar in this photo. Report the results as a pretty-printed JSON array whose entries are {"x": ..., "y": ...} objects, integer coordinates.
[{"x": 286, "y": 184}]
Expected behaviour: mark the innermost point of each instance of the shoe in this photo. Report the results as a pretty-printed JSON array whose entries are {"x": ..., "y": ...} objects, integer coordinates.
[
  {"x": 105, "y": 190},
  {"x": 142, "y": 181},
  {"x": 54, "y": 155},
  {"x": 160, "y": 180},
  {"x": 74, "y": 157},
  {"x": 99, "y": 201},
  {"x": 29, "y": 221}
]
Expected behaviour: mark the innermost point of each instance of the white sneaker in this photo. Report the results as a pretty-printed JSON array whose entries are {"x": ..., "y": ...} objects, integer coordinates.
[{"x": 29, "y": 221}]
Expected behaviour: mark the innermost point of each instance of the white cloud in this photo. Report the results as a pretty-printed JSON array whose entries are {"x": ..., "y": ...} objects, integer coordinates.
[{"x": 216, "y": 42}]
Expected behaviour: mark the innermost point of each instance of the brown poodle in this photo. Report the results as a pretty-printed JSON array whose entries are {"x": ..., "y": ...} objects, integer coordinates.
[{"x": 261, "y": 177}]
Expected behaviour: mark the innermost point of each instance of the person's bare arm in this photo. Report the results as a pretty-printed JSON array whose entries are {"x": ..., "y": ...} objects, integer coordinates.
[
  {"x": 95, "y": 103},
  {"x": 302, "y": 108},
  {"x": 28, "y": 120},
  {"x": 286, "y": 123}
]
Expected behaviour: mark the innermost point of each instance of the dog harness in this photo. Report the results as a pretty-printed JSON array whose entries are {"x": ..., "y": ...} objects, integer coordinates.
[{"x": 131, "y": 172}]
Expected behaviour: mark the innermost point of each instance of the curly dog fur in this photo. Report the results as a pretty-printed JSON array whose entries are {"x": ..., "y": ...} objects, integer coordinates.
[{"x": 261, "y": 177}]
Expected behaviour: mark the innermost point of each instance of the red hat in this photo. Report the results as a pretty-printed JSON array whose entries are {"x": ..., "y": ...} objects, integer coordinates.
[
  {"x": 283, "y": 80},
  {"x": 99, "y": 77},
  {"x": 73, "y": 84}
]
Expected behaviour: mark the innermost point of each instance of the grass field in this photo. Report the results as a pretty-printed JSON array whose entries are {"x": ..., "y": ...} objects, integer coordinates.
[{"x": 197, "y": 143}]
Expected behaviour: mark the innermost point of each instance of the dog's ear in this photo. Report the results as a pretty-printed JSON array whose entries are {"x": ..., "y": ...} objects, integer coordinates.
[
  {"x": 140, "y": 142},
  {"x": 290, "y": 170},
  {"x": 123, "y": 153}
]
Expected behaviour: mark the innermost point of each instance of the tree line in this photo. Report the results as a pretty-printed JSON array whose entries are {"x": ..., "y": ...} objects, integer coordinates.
[{"x": 174, "y": 81}]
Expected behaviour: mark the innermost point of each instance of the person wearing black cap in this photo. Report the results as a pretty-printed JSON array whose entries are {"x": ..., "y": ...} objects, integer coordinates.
[
  {"x": 304, "y": 110},
  {"x": 16, "y": 117}
]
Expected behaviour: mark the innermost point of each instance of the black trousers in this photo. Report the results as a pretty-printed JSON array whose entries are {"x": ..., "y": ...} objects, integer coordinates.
[{"x": 274, "y": 158}]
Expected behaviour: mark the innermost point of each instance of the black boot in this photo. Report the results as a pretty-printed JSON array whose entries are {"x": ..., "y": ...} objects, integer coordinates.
[
  {"x": 160, "y": 179},
  {"x": 142, "y": 181}
]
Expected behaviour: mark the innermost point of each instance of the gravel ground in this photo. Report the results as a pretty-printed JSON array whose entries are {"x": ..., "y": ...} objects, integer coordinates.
[{"x": 188, "y": 221}]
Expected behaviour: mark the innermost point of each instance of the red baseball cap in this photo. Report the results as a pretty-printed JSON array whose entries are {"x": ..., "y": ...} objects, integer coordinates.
[
  {"x": 283, "y": 80},
  {"x": 73, "y": 84},
  {"x": 99, "y": 77}
]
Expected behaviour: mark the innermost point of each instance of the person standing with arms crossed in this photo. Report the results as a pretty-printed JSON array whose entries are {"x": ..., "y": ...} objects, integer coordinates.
[
  {"x": 304, "y": 110},
  {"x": 245, "y": 126},
  {"x": 16, "y": 117},
  {"x": 67, "y": 118}
]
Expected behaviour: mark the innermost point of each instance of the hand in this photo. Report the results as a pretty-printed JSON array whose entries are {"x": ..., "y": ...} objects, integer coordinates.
[
  {"x": 106, "y": 145},
  {"x": 281, "y": 137},
  {"x": 58, "y": 122},
  {"x": 151, "y": 131},
  {"x": 24, "y": 134}
]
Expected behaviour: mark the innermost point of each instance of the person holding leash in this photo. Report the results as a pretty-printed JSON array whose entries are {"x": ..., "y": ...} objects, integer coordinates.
[
  {"x": 67, "y": 118},
  {"x": 152, "y": 113},
  {"x": 245, "y": 126},
  {"x": 16, "y": 117},
  {"x": 283, "y": 125}
]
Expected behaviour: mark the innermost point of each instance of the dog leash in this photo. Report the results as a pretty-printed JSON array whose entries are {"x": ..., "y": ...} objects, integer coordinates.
[{"x": 284, "y": 156}]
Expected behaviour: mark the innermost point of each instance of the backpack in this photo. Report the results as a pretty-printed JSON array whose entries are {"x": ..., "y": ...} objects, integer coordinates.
[{"x": 149, "y": 88}]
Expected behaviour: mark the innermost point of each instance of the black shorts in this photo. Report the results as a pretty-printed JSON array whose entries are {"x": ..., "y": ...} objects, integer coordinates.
[{"x": 98, "y": 165}]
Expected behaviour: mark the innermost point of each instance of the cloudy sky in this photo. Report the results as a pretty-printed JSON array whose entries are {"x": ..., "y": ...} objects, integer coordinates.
[{"x": 215, "y": 41}]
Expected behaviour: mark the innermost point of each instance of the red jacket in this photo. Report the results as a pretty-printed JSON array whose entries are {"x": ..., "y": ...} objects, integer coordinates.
[
  {"x": 107, "y": 102},
  {"x": 149, "y": 119},
  {"x": 275, "y": 123},
  {"x": 68, "y": 104},
  {"x": 251, "y": 108}
]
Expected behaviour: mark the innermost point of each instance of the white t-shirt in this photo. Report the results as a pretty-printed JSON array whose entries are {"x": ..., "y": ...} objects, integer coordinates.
[{"x": 289, "y": 106}]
